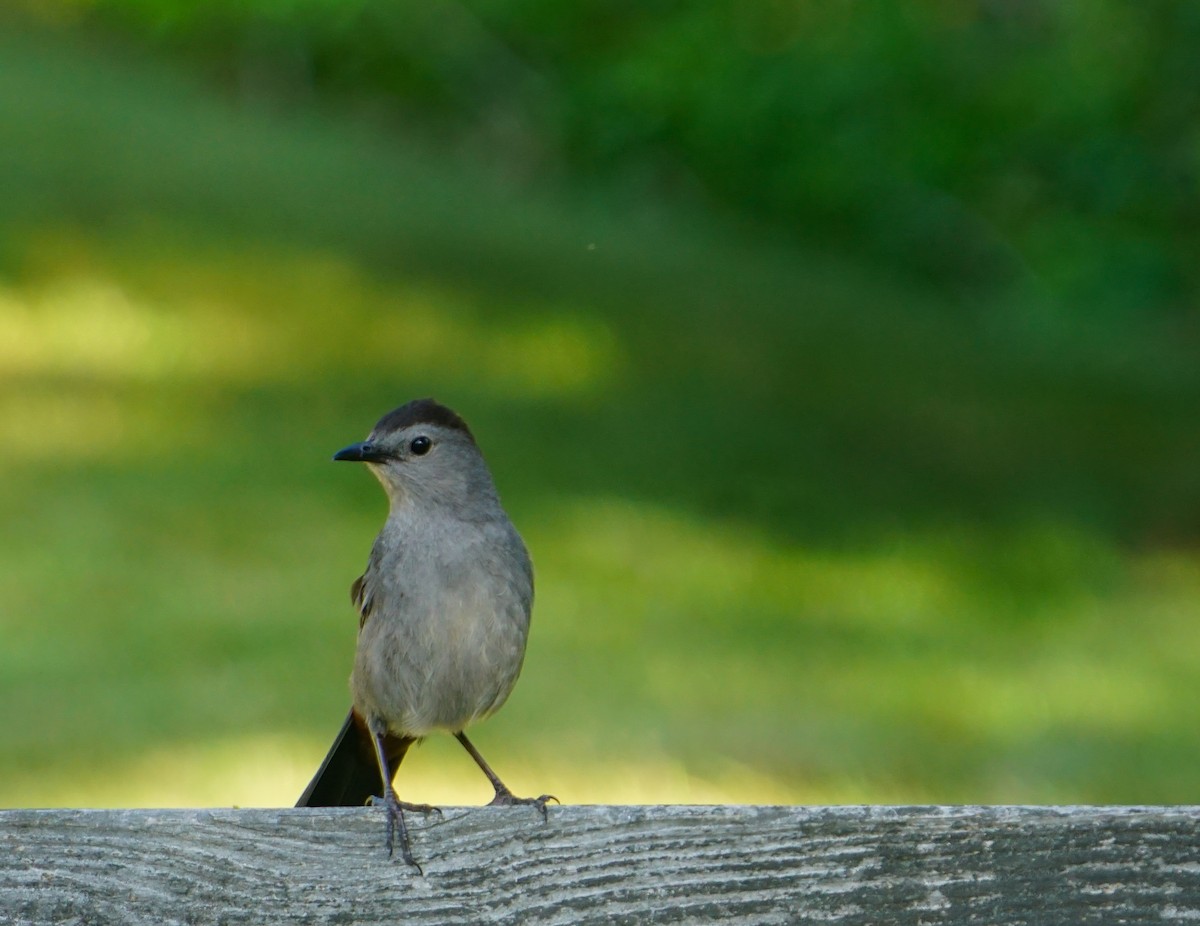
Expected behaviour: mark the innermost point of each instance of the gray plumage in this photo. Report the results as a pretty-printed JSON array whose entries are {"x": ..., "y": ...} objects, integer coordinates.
[
  {"x": 444, "y": 608},
  {"x": 446, "y": 597}
]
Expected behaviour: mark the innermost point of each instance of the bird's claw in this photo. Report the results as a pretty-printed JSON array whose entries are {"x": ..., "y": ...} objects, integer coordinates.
[
  {"x": 395, "y": 822},
  {"x": 423, "y": 809},
  {"x": 506, "y": 798}
]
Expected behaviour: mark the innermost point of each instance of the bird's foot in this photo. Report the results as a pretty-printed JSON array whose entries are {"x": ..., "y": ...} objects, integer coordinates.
[
  {"x": 423, "y": 809},
  {"x": 505, "y": 798},
  {"x": 395, "y": 824}
]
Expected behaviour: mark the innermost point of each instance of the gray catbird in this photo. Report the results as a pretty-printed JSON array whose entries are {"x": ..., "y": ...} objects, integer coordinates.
[{"x": 443, "y": 612}]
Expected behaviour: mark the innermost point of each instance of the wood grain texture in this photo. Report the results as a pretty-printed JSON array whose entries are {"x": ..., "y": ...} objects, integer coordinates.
[{"x": 868, "y": 865}]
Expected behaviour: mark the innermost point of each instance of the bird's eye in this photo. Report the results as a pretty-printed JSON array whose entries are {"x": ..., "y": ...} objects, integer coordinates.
[{"x": 420, "y": 445}]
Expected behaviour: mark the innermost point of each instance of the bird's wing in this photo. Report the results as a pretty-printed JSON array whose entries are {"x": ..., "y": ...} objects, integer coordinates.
[
  {"x": 363, "y": 597},
  {"x": 358, "y": 597},
  {"x": 362, "y": 591}
]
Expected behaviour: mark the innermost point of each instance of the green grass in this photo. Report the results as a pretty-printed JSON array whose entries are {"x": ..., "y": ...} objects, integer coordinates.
[{"x": 802, "y": 531}]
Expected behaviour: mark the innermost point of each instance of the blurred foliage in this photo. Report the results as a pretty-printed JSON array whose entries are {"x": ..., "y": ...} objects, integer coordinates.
[
  {"x": 808, "y": 525},
  {"x": 980, "y": 144}
]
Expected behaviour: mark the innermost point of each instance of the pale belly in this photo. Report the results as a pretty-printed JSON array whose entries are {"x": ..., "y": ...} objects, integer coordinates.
[{"x": 438, "y": 669}]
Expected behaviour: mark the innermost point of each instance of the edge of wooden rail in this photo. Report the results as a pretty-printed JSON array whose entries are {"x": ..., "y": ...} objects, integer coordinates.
[{"x": 737, "y": 863}]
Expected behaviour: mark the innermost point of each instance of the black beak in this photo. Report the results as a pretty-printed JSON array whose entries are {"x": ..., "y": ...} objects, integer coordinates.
[{"x": 364, "y": 452}]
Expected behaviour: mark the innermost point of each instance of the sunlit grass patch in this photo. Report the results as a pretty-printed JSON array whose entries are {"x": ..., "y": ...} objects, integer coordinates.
[
  {"x": 271, "y": 771},
  {"x": 143, "y": 307},
  {"x": 728, "y": 634}
]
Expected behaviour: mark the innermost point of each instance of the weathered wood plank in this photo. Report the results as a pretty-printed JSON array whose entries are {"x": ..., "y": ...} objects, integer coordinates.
[{"x": 902, "y": 865}]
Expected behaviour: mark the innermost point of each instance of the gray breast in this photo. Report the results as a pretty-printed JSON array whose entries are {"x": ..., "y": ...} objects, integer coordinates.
[{"x": 445, "y": 637}]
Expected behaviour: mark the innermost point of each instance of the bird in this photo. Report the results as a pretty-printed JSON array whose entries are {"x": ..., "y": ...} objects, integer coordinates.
[{"x": 444, "y": 609}]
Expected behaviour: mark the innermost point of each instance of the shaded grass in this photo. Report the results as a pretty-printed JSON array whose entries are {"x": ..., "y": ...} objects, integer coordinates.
[{"x": 802, "y": 532}]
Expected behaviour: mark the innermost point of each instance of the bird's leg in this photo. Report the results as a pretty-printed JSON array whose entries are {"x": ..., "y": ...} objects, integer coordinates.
[
  {"x": 394, "y": 806},
  {"x": 504, "y": 797}
]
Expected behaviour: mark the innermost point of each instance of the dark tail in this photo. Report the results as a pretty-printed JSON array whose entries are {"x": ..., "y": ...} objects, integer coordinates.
[{"x": 349, "y": 776}]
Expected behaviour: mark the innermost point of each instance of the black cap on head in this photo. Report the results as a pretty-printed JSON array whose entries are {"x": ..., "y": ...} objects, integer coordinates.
[{"x": 421, "y": 411}]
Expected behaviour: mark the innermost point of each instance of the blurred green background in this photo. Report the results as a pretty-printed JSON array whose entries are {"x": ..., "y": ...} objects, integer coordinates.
[{"x": 837, "y": 361}]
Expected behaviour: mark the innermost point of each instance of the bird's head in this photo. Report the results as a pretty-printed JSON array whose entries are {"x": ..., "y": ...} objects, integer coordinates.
[{"x": 423, "y": 453}]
